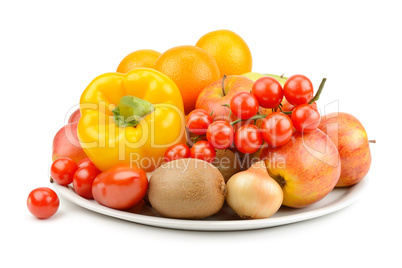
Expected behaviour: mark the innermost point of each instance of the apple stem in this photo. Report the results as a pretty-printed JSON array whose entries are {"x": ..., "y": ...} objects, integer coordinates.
[
  {"x": 372, "y": 141},
  {"x": 317, "y": 95},
  {"x": 223, "y": 84}
]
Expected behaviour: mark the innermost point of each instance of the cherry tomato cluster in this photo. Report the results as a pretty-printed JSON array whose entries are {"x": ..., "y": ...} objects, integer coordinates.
[
  {"x": 43, "y": 202},
  {"x": 293, "y": 108},
  {"x": 64, "y": 171},
  {"x": 90, "y": 183}
]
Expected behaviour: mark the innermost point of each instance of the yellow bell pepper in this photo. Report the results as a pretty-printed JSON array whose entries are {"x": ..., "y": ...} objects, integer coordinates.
[{"x": 130, "y": 118}]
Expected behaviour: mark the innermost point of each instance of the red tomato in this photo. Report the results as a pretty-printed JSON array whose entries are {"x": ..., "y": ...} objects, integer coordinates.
[
  {"x": 306, "y": 118},
  {"x": 268, "y": 92},
  {"x": 177, "y": 151},
  {"x": 248, "y": 139},
  {"x": 120, "y": 187},
  {"x": 298, "y": 89},
  {"x": 85, "y": 163},
  {"x": 277, "y": 129},
  {"x": 43, "y": 202},
  {"x": 220, "y": 134},
  {"x": 244, "y": 105},
  {"x": 198, "y": 121},
  {"x": 62, "y": 170},
  {"x": 83, "y": 179},
  {"x": 203, "y": 150},
  {"x": 314, "y": 105}
]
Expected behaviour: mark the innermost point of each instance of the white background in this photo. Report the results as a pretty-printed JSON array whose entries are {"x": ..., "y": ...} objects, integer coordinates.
[{"x": 50, "y": 51}]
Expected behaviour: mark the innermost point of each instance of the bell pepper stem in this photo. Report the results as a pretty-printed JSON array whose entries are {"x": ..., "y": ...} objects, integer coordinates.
[{"x": 131, "y": 110}]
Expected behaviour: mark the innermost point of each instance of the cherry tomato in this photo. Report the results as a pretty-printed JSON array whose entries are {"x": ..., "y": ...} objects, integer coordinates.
[
  {"x": 43, "y": 202},
  {"x": 298, "y": 89},
  {"x": 277, "y": 129},
  {"x": 244, "y": 105},
  {"x": 62, "y": 170},
  {"x": 248, "y": 139},
  {"x": 220, "y": 134},
  {"x": 83, "y": 179},
  {"x": 177, "y": 151},
  {"x": 314, "y": 105},
  {"x": 306, "y": 118},
  {"x": 85, "y": 163},
  {"x": 120, "y": 187},
  {"x": 198, "y": 121},
  {"x": 268, "y": 92},
  {"x": 203, "y": 150}
]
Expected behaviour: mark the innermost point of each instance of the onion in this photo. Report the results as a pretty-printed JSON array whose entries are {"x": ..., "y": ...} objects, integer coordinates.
[{"x": 253, "y": 194}]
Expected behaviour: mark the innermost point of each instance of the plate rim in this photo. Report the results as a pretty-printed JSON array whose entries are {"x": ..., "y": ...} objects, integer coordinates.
[{"x": 350, "y": 195}]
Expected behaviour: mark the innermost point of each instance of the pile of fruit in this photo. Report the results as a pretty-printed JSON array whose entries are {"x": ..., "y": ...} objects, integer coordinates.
[{"x": 192, "y": 128}]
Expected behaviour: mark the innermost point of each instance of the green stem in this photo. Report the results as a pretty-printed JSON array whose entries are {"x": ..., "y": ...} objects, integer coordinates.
[
  {"x": 131, "y": 110},
  {"x": 194, "y": 139},
  {"x": 230, "y": 110},
  {"x": 255, "y": 117},
  {"x": 285, "y": 112},
  {"x": 317, "y": 95}
]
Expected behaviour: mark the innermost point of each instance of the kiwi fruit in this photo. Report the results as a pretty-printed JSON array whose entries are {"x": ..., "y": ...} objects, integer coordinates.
[
  {"x": 187, "y": 189},
  {"x": 227, "y": 162}
]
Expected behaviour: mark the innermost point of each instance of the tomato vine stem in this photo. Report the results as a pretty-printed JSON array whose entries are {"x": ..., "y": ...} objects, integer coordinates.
[{"x": 317, "y": 95}]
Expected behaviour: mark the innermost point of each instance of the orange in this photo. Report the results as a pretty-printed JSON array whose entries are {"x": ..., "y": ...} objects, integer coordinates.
[
  {"x": 229, "y": 50},
  {"x": 191, "y": 68},
  {"x": 137, "y": 59}
]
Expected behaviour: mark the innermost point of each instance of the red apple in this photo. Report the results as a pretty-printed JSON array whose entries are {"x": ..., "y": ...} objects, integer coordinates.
[
  {"x": 66, "y": 144},
  {"x": 214, "y": 96},
  {"x": 75, "y": 116},
  {"x": 350, "y": 137},
  {"x": 307, "y": 167}
]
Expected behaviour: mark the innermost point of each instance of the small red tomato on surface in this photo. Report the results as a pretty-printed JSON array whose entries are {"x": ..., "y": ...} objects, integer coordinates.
[
  {"x": 85, "y": 163},
  {"x": 120, "y": 187},
  {"x": 220, "y": 134},
  {"x": 244, "y": 105},
  {"x": 177, "y": 151},
  {"x": 198, "y": 121},
  {"x": 62, "y": 170},
  {"x": 306, "y": 118},
  {"x": 277, "y": 129},
  {"x": 203, "y": 150},
  {"x": 298, "y": 89},
  {"x": 248, "y": 139},
  {"x": 268, "y": 92},
  {"x": 83, "y": 179},
  {"x": 43, "y": 202}
]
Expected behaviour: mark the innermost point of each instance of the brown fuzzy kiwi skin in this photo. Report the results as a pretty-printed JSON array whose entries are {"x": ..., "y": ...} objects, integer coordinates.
[
  {"x": 187, "y": 189},
  {"x": 228, "y": 163}
]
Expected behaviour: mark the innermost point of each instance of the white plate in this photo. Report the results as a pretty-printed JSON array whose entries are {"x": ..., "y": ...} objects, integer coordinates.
[{"x": 226, "y": 219}]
